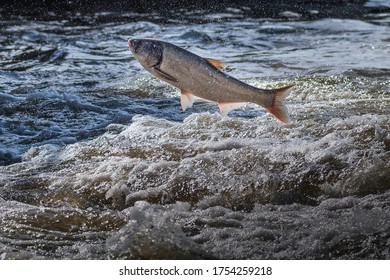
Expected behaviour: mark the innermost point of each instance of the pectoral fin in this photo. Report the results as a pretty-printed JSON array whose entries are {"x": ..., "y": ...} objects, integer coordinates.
[
  {"x": 165, "y": 76},
  {"x": 186, "y": 100},
  {"x": 216, "y": 63},
  {"x": 226, "y": 107}
]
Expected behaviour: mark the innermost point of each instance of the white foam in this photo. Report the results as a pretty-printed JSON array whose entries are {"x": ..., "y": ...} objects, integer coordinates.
[{"x": 152, "y": 233}]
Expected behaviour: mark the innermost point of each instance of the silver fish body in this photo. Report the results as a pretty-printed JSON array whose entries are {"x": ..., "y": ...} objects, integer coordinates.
[{"x": 202, "y": 77}]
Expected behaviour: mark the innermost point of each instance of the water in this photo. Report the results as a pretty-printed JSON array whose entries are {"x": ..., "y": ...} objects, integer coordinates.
[{"x": 97, "y": 160}]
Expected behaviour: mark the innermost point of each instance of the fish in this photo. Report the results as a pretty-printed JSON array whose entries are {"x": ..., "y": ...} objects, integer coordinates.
[{"x": 203, "y": 78}]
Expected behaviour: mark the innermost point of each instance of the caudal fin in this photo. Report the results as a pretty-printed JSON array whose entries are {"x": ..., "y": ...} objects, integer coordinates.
[{"x": 278, "y": 109}]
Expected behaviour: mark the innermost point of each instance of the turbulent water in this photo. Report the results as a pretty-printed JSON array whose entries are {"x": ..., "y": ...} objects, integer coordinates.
[{"x": 97, "y": 160}]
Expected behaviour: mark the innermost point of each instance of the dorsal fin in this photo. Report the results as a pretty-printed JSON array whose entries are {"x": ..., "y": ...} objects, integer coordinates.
[{"x": 216, "y": 63}]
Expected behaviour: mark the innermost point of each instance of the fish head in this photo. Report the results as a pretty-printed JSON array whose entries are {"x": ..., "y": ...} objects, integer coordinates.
[{"x": 148, "y": 52}]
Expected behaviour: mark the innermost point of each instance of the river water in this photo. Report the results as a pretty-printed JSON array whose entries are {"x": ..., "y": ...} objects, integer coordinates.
[{"x": 97, "y": 160}]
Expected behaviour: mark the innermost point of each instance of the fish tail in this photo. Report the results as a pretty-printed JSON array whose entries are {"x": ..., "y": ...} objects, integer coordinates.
[{"x": 278, "y": 109}]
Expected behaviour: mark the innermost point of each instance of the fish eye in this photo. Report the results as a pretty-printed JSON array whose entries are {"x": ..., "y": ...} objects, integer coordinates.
[{"x": 149, "y": 46}]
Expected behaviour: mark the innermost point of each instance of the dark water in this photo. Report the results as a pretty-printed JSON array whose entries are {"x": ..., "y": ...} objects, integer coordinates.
[{"x": 98, "y": 161}]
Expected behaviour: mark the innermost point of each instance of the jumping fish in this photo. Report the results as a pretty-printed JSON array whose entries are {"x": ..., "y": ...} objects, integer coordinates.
[{"x": 203, "y": 78}]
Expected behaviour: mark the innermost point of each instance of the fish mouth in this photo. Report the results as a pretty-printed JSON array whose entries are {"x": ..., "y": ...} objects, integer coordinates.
[
  {"x": 133, "y": 44},
  {"x": 129, "y": 42}
]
